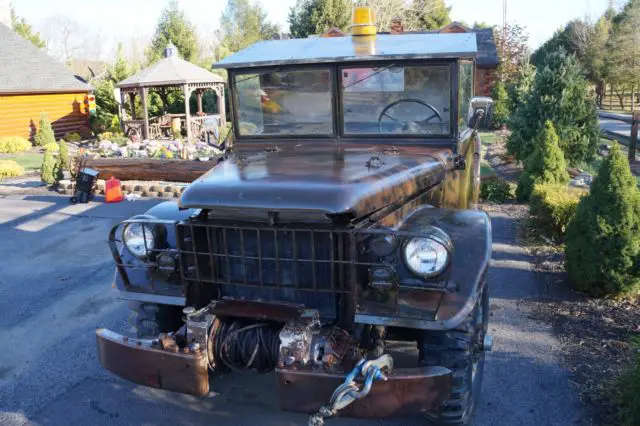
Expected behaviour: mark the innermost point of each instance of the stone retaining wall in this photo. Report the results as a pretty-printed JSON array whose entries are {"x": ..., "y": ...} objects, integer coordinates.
[{"x": 143, "y": 189}]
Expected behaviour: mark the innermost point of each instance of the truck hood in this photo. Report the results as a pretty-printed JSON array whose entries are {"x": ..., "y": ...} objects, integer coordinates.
[{"x": 354, "y": 181}]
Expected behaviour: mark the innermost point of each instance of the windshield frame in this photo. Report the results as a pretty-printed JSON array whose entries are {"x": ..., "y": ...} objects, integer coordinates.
[
  {"x": 239, "y": 73},
  {"x": 338, "y": 133}
]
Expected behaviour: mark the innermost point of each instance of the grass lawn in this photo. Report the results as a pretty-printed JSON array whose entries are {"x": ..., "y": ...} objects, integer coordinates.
[
  {"x": 489, "y": 138},
  {"x": 485, "y": 169},
  {"x": 30, "y": 161}
]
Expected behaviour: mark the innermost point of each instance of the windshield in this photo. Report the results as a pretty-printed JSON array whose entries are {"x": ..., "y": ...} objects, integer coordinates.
[
  {"x": 285, "y": 103},
  {"x": 398, "y": 100}
]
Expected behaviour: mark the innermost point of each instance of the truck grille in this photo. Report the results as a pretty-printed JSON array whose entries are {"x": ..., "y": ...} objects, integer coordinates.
[{"x": 309, "y": 267}]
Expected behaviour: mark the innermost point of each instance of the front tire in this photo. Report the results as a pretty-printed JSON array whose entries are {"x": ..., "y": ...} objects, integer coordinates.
[
  {"x": 461, "y": 351},
  {"x": 148, "y": 320}
]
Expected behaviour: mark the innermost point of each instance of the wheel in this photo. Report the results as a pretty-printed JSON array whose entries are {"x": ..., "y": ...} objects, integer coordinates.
[
  {"x": 73, "y": 200},
  {"x": 150, "y": 319},
  {"x": 461, "y": 351}
]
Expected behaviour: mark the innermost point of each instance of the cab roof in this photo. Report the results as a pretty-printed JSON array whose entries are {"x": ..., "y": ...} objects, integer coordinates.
[{"x": 321, "y": 50}]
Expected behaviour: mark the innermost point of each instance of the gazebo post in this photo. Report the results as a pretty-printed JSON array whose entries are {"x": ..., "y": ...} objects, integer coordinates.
[
  {"x": 187, "y": 94},
  {"x": 221, "y": 104},
  {"x": 199, "y": 95},
  {"x": 145, "y": 128},
  {"x": 132, "y": 98}
]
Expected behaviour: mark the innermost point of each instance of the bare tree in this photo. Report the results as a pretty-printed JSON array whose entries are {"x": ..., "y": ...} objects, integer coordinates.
[
  {"x": 623, "y": 58},
  {"x": 65, "y": 38}
]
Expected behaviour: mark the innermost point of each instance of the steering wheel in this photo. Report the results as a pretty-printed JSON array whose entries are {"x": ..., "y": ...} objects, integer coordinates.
[{"x": 407, "y": 123}]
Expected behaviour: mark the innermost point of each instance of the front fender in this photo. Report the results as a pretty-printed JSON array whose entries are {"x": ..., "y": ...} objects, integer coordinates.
[{"x": 470, "y": 232}]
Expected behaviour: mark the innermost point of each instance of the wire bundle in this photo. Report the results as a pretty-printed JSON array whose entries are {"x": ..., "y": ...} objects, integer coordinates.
[{"x": 247, "y": 346}]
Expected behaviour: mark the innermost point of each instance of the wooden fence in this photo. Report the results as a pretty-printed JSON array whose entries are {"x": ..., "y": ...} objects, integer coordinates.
[{"x": 614, "y": 100}]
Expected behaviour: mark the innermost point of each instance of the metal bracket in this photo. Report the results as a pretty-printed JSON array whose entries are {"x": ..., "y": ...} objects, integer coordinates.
[{"x": 459, "y": 163}]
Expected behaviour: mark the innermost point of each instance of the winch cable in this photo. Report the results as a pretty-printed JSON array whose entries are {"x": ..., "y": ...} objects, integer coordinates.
[{"x": 243, "y": 348}]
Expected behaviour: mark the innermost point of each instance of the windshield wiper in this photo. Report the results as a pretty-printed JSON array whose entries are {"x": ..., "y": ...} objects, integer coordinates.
[{"x": 369, "y": 76}]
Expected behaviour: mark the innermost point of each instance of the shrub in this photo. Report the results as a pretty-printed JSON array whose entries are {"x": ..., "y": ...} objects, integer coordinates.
[
  {"x": 628, "y": 396},
  {"x": 52, "y": 146},
  {"x": 120, "y": 140},
  {"x": 48, "y": 172},
  {"x": 105, "y": 136},
  {"x": 45, "y": 132},
  {"x": 72, "y": 137},
  {"x": 9, "y": 168},
  {"x": 553, "y": 205},
  {"x": 496, "y": 190},
  {"x": 561, "y": 94},
  {"x": 63, "y": 156},
  {"x": 500, "y": 106},
  {"x": 114, "y": 126},
  {"x": 545, "y": 165},
  {"x": 603, "y": 238},
  {"x": 13, "y": 144}
]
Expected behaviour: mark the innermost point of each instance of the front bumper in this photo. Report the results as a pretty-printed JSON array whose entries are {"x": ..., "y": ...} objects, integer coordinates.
[{"x": 145, "y": 362}]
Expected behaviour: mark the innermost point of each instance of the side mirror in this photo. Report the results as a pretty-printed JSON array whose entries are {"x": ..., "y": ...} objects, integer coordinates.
[{"x": 480, "y": 113}]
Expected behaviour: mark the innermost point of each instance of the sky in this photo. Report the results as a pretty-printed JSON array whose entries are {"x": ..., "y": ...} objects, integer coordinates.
[{"x": 124, "y": 20}]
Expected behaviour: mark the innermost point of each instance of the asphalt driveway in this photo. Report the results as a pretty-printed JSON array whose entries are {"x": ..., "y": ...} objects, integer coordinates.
[{"x": 55, "y": 289}]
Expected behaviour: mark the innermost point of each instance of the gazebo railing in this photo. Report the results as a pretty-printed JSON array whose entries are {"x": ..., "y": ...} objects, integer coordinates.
[
  {"x": 198, "y": 124},
  {"x": 133, "y": 127}
]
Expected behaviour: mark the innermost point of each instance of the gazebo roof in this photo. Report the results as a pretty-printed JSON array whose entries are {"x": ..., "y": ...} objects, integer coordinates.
[{"x": 170, "y": 71}]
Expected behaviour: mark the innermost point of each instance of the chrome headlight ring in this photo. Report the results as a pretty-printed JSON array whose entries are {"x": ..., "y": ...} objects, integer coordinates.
[
  {"x": 143, "y": 238},
  {"x": 429, "y": 255}
]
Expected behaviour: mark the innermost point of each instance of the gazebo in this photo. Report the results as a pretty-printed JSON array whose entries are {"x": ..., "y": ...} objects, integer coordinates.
[{"x": 169, "y": 73}]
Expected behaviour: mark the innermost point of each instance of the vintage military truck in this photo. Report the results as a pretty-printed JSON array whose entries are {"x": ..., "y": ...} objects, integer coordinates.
[{"x": 341, "y": 218}]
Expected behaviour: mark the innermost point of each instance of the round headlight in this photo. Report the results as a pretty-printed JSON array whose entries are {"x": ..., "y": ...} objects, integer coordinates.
[
  {"x": 426, "y": 257},
  {"x": 139, "y": 238}
]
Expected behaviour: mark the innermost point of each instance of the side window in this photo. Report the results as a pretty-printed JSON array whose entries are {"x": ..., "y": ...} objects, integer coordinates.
[{"x": 465, "y": 94}]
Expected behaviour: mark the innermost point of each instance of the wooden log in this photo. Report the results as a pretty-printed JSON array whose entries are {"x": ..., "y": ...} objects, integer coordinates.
[{"x": 150, "y": 169}]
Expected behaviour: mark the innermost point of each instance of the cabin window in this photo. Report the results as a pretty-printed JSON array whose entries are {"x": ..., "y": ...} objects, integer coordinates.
[
  {"x": 284, "y": 103},
  {"x": 465, "y": 94},
  {"x": 397, "y": 100}
]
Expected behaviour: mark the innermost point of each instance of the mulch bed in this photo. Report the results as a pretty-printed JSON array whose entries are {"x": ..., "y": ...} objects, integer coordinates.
[{"x": 595, "y": 334}]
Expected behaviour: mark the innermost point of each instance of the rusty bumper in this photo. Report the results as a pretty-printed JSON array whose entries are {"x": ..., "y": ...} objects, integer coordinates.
[
  {"x": 145, "y": 363},
  {"x": 407, "y": 391}
]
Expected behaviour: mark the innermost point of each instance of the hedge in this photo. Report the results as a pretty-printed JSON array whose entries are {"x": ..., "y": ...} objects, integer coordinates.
[
  {"x": 9, "y": 168},
  {"x": 496, "y": 190},
  {"x": 553, "y": 206},
  {"x": 13, "y": 144}
]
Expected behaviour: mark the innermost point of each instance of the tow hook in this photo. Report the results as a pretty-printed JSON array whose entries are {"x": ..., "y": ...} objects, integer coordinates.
[
  {"x": 487, "y": 343},
  {"x": 348, "y": 391}
]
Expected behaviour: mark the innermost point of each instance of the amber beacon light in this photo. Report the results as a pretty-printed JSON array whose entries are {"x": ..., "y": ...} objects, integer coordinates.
[{"x": 363, "y": 22}]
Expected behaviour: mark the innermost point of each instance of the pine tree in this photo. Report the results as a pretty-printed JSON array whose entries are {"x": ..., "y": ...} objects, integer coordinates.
[
  {"x": 310, "y": 17},
  {"x": 561, "y": 94},
  {"x": 45, "y": 133},
  {"x": 545, "y": 165},
  {"x": 63, "y": 156},
  {"x": 500, "y": 105},
  {"x": 49, "y": 165},
  {"x": 174, "y": 27},
  {"x": 603, "y": 238}
]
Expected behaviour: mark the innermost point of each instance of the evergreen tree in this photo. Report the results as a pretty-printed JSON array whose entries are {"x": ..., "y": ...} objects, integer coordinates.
[
  {"x": 21, "y": 26},
  {"x": 421, "y": 15},
  {"x": 500, "y": 105},
  {"x": 560, "y": 94},
  {"x": 45, "y": 133},
  {"x": 49, "y": 168},
  {"x": 603, "y": 238},
  {"x": 310, "y": 17},
  {"x": 244, "y": 23},
  {"x": 63, "y": 155},
  {"x": 174, "y": 27},
  {"x": 545, "y": 165}
]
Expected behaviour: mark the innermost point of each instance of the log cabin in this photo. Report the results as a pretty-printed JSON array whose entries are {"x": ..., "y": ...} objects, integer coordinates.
[{"x": 31, "y": 83}]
